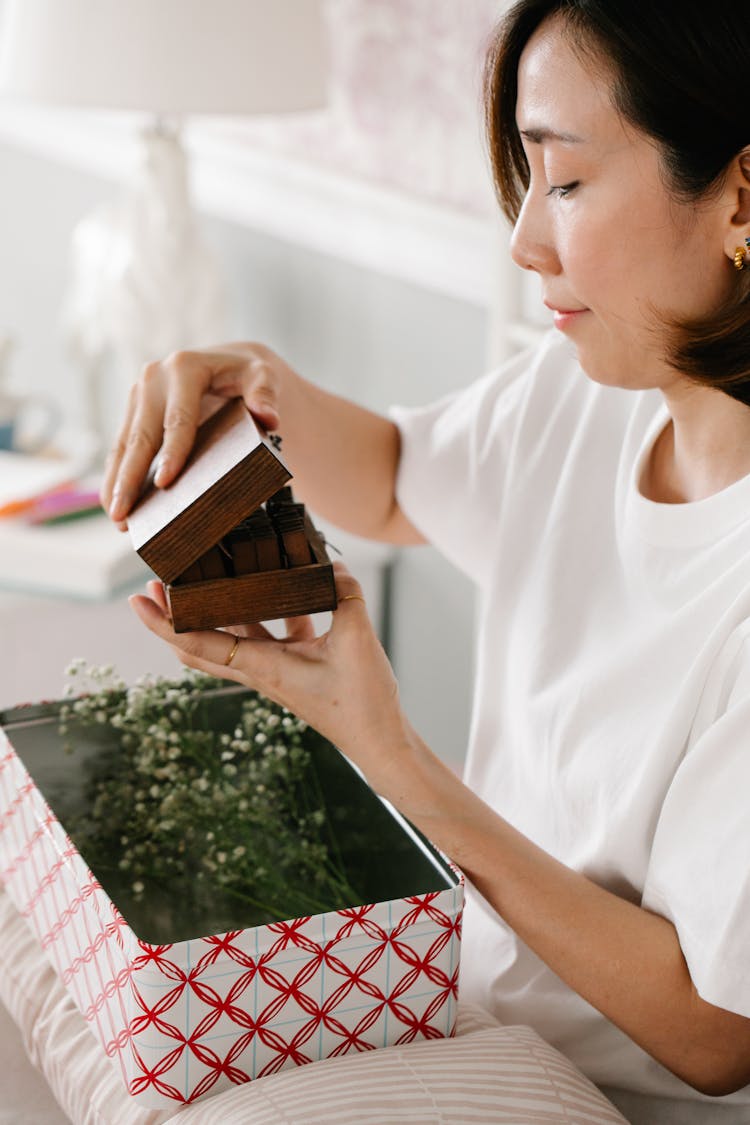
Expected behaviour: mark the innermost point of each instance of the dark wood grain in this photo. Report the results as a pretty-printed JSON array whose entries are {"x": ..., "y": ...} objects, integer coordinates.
[
  {"x": 250, "y": 598},
  {"x": 229, "y": 474}
]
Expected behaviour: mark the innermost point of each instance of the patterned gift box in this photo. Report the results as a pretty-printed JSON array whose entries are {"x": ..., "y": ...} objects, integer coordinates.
[{"x": 179, "y": 1020}]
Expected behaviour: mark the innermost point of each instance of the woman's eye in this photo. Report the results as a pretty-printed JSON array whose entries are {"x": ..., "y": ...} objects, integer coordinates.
[{"x": 562, "y": 190}]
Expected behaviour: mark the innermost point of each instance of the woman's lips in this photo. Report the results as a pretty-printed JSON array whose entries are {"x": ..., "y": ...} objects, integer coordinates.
[{"x": 564, "y": 318}]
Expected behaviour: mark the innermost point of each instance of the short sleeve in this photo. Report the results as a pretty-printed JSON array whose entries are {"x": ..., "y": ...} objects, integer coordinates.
[
  {"x": 453, "y": 465},
  {"x": 699, "y": 872}
]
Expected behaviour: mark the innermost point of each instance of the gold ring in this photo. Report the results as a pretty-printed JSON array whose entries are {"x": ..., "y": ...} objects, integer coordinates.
[
  {"x": 233, "y": 653},
  {"x": 352, "y": 598}
]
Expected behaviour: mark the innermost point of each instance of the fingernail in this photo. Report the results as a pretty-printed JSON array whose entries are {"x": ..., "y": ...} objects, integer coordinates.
[
  {"x": 162, "y": 467},
  {"x": 121, "y": 502}
]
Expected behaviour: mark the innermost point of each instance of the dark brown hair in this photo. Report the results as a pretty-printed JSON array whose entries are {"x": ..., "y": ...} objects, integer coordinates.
[{"x": 680, "y": 75}]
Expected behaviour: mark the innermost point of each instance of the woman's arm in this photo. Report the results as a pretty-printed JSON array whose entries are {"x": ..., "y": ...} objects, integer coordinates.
[
  {"x": 344, "y": 458},
  {"x": 624, "y": 960}
]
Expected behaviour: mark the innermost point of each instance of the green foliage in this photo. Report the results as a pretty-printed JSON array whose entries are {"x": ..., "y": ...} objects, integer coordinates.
[{"x": 184, "y": 816}]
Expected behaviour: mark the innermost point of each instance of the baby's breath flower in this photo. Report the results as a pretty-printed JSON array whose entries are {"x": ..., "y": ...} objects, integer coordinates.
[{"x": 199, "y": 810}]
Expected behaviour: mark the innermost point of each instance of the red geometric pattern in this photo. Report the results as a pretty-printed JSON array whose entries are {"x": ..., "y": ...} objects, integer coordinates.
[{"x": 185, "y": 1019}]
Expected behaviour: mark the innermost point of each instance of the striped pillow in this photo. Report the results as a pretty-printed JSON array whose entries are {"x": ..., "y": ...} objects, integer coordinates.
[
  {"x": 500, "y": 1074},
  {"x": 488, "y": 1073}
]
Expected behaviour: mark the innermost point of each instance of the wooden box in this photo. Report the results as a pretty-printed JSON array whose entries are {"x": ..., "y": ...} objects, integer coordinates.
[{"x": 195, "y": 534}]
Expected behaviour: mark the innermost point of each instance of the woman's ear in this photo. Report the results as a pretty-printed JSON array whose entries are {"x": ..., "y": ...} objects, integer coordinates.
[{"x": 738, "y": 184}]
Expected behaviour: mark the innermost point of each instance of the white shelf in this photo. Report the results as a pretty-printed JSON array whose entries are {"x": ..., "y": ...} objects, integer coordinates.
[{"x": 437, "y": 248}]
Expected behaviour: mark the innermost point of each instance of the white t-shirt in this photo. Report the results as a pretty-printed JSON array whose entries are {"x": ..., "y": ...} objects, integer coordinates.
[{"x": 612, "y": 704}]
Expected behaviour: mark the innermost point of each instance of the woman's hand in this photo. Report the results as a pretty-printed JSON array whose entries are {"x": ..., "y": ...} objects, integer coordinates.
[
  {"x": 340, "y": 683},
  {"x": 169, "y": 401}
]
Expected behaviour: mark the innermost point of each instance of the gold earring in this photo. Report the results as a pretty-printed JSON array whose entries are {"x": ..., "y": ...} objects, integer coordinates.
[{"x": 740, "y": 254}]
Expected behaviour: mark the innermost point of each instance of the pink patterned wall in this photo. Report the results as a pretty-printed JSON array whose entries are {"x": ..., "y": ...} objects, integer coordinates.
[{"x": 405, "y": 99}]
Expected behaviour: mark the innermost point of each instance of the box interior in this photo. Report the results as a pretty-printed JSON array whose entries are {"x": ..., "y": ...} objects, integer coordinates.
[{"x": 387, "y": 857}]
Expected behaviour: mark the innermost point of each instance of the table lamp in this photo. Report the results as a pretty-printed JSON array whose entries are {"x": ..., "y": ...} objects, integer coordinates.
[{"x": 142, "y": 281}]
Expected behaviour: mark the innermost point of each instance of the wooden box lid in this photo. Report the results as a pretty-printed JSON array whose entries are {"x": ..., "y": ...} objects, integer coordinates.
[{"x": 231, "y": 471}]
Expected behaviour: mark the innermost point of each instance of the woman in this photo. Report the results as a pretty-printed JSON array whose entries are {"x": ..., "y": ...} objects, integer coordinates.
[{"x": 598, "y": 491}]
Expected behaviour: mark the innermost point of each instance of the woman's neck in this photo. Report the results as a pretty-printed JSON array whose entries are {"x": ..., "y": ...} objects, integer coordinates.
[{"x": 702, "y": 450}]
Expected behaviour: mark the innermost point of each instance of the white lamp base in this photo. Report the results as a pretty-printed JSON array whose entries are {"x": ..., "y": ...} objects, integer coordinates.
[{"x": 142, "y": 282}]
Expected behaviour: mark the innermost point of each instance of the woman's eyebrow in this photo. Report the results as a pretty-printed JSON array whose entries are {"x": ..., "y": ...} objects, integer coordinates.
[{"x": 539, "y": 136}]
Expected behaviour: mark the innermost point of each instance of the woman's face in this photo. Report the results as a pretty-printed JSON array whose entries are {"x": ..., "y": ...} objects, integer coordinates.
[{"x": 617, "y": 255}]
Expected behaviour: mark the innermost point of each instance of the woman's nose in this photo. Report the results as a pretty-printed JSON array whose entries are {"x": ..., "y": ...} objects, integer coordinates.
[{"x": 530, "y": 246}]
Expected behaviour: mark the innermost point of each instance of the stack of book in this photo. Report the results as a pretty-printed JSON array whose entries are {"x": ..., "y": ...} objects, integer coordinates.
[{"x": 54, "y": 536}]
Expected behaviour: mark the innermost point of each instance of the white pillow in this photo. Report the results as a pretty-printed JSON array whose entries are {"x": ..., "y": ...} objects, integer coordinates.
[{"x": 487, "y": 1074}]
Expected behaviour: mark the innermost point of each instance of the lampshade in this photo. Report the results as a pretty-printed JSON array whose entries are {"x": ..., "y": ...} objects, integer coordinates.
[{"x": 170, "y": 57}]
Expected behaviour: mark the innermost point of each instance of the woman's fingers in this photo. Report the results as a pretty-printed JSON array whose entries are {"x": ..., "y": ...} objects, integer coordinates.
[
  {"x": 254, "y": 660},
  {"x": 207, "y": 649},
  {"x": 166, "y": 407},
  {"x": 252, "y": 632},
  {"x": 299, "y": 629},
  {"x": 261, "y": 390},
  {"x": 116, "y": 454},
  {"x": 348, "y": 588},
  {"x": 157, "y": 594},
  {"x": 182, "y": 414},
  {"x": 258, "y": 658},
  {"x": 162, "y": 419},
  {"x": 139, "y": 441}
]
